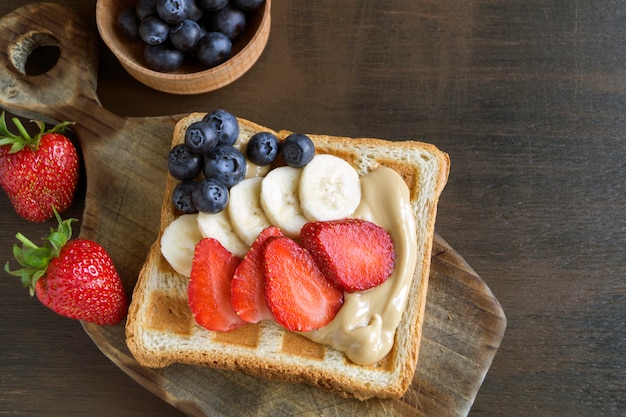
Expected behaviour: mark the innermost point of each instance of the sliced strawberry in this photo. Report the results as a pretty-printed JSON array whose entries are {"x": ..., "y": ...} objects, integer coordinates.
[
  {"x": 355, "y": 254},
  {"x": 296, "y": 291},
  {"x": 248, "y": 284},
  {"x": 209, "y": 286}
]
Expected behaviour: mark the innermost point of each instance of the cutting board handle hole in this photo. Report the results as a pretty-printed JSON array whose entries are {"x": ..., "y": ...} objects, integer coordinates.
[{"x": 35, "y": 53}]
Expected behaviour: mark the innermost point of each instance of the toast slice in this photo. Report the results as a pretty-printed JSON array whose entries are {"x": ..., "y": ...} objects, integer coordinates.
[{"x": 160, "y": 328}]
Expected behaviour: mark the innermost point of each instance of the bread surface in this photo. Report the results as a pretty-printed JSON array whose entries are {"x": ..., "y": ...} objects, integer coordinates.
[{"x": 160, "y": 328}]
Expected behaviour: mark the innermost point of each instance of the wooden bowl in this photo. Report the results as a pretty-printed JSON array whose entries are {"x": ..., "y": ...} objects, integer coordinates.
[{"x": 191, "y": 78}]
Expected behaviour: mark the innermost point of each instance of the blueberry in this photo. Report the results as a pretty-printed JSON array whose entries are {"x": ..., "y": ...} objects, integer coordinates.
[
  {"x": 225, "y": 164},
  {"x": 194, "y": 12},
  {"x": 181, "y": 197},
  {"x": 213, "y": 49},
  {"x": 230, "y": 21},
  {"x": 263, "y": 148},
  {"x": 200, "y": 137},
  {"x": 225, "y": 124},
  {"x": 145, "y": 8},
  {"x": 298, "y": 150},
  {"x": 186, "y": 35},
  {"x": 211, "y": 5},
  {"x": 128, "y": 23},
  {"x": 210, "y": 196},
  {"x": 162, "y": 58},
  {"x": 153, "y": 30},
  {"x": 247, "y": 5},
  {"x": 172, "y": 11},
  {"x": 183, "y": 164}
]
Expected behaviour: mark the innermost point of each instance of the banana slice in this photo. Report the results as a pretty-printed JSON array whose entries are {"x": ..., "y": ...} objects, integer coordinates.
[
  {"x": 330, "y": 189},
  {"x": 218, "y": 226},
  {"x": 245, "y": 211},
  {"x": 178, "y": 243},
  {"x": 280, "y": 201}
]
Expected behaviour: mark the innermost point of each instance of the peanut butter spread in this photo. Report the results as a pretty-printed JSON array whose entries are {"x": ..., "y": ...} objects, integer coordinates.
[{"x": 365, "y": 326}]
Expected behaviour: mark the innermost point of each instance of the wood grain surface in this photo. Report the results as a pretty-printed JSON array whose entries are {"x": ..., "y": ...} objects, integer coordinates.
[
  {"x": 527, "y": 97},
  {"x": 125, "y": 162}
]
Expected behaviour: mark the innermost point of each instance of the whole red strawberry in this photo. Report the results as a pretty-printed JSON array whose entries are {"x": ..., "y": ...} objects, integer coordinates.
[
  {"x": 74, "y": 278},
  {"x": 39, "y": 172}
]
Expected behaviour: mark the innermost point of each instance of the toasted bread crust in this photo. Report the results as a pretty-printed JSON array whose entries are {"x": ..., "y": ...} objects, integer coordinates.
[{"x": 160, "y": 328}]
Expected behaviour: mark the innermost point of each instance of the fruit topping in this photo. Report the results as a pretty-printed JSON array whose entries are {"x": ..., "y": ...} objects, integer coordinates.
[
  {"x": 210, "y": 196},
  {"x": 219, "y": 226},
  {"x": 225, "y": 164},
  {"x": 330, "y": 188},
  {"x": 201, "y": 137},
  {"x": 182, "y": 163},
  {"x": 280, "y": 201},
  {"x": 178, "y": 242},
  {"x": 181, "y": 197},
  {"x": 263, "y": 148},
  {"x": 209, "y": 286},
  {"x": 355, "y": 254},
  {"x": 298, "y": 150},
  {"x": 245, "y": 211},
  {"x": 296, "y": 291},
  {"x": 225, "y": 124},
  {"x": 248, "y": 284}
]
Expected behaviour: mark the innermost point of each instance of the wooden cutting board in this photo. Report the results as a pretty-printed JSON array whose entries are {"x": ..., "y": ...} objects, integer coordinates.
[{"x": 125, "y": 167}]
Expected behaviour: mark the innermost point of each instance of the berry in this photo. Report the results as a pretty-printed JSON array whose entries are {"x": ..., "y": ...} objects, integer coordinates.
[
  {"x": 181, "y": 197},
  {"x": 200, "y": 137},
  {"x": 153, "y": 30},
  {"x": 194, "y": 12},
  {"x": 263, "y": 148},
  {"x": 39, "y": 173},
  {"x": 248, "y": 284},
  {"x": 247, "y": 5},
  {"x": 230, "y": 21},
  {"x": 186, "y": 35},
  {"x": 212, "y": 269},
  {"x": 226, "y": 164},
  {"x": 128, "y": 23},
  {"x": 210, "y": 196},
  {"x": 145, "y": 8},
  {"x": 74, "y": 278},
  {"x": 211, "y": 5},
  {"x": 298, "y": 150},
  {"x": 182, "y": 163},
  {"x": 162, "y": 58},
  {"x": 213, "y": 49},
  {"x": 296, "y": 291},
  {"x": 225, "y": 124},
  {"x": 355, "y": 254},
  {"x": 172, "y": 11}
]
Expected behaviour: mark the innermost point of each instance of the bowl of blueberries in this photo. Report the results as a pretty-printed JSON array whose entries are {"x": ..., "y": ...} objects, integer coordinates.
[{"x": 185, "y": 46}]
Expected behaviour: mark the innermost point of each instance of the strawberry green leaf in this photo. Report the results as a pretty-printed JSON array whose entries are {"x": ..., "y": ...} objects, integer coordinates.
[{"x": 35, "y": 259}]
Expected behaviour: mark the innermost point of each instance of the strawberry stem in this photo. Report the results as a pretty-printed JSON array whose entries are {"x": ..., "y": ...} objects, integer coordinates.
[
  {"x": 35, "y": 259},
  {"x": 19, "y": 142}
]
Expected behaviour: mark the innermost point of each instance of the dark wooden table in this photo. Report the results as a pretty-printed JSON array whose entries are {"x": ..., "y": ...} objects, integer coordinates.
[{"x": 529, "y": 100}]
